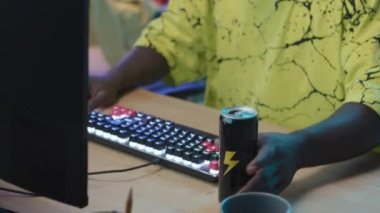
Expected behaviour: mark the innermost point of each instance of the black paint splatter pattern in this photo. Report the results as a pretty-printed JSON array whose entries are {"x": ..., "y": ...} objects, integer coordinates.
[{"x": 295, "y": 61}]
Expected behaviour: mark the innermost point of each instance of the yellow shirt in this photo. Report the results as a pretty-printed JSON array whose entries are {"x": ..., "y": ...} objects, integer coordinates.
[{"x": 296, "y": 62}]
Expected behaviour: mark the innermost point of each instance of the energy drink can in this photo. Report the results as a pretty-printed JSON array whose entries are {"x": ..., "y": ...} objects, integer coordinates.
[{"x": 238, "y": 146}]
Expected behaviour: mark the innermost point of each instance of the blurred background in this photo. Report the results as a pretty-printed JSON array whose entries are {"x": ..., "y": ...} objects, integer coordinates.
[{"x": 114, "y": 27}]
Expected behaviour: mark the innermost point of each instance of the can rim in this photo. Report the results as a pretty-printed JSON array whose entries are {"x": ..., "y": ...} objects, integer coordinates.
[{"x": 226, "y": 112}]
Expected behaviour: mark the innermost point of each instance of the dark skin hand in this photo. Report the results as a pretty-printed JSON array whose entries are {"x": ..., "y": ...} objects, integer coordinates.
[
  {"x": 351, "y": 131},
  {"x": 275, "y": 165},
  {"x": 140, "y": 67}
]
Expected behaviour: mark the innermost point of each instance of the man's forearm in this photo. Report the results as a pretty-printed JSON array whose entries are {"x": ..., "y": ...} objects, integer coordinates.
[
  {"x": 140, "y": 67},
  {"x": 352, "y": 130}
]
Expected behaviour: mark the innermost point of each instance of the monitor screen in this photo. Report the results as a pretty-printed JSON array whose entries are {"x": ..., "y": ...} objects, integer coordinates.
[{"x": 43, "y": 84}]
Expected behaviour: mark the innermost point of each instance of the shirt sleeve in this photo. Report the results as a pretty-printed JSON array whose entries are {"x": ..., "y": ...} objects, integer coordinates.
[
  {"x": 180, "y": 36},
  {"x": 361, "y": 53}
]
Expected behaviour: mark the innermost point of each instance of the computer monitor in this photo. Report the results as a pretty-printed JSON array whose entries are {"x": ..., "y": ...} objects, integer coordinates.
[{"x": 43, "y": 97}]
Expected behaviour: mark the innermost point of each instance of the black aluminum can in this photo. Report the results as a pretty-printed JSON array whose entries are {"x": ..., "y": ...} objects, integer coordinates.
[{"x": 238, "y": 146}]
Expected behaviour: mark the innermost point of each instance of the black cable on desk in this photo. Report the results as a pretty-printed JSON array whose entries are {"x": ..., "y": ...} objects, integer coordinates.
[
  {"x": 19, "y": 192},
  {"x": 155, "y": 161}
]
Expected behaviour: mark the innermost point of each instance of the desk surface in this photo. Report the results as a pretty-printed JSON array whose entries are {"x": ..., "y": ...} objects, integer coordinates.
[{"x": 351, "y": 186}]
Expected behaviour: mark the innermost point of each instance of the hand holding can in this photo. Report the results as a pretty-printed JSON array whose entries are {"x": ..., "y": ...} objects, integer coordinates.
[{"x": 238, "y": 129}]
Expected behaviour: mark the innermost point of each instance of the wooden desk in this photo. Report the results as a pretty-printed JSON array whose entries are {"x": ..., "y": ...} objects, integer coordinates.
[{"x": 352, "y": 186}]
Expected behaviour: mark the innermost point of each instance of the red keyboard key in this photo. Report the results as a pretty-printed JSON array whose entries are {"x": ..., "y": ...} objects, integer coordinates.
[{"x": 214, "y": 165}]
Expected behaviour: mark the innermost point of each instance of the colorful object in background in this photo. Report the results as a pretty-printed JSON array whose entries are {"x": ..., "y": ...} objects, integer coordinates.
[{"x": 161, "y": 2}]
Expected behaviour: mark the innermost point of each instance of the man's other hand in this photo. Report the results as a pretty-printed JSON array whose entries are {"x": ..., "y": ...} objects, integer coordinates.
[{"x": 273, "y": 168}]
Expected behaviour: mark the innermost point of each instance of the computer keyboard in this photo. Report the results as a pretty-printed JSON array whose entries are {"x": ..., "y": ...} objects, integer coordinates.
[{"x": 178, "y": 147}]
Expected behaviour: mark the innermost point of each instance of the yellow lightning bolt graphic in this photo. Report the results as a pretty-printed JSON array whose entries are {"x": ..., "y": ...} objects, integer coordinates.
[{"x": 229, "y": 162}]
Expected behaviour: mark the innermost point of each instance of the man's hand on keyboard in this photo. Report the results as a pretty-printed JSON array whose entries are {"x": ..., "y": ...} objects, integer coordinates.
[{"x": 103, "y": 92}]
